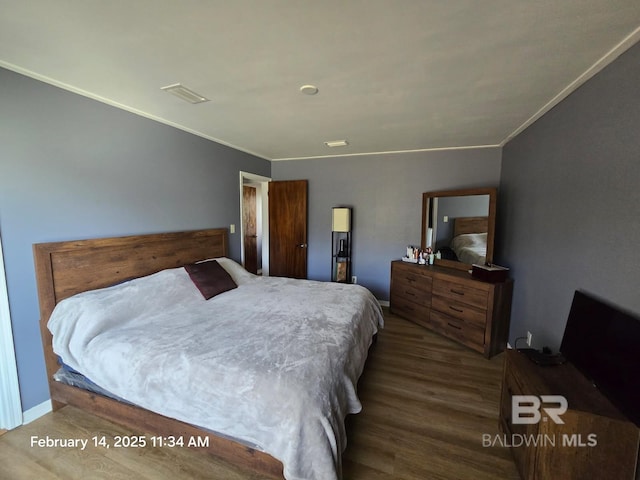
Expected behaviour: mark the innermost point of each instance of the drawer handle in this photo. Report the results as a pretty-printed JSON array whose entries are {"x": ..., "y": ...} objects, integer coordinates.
[
  {"x": 459, "y": 310},
  {"x": 454, "y": 326},
  {"x": 410, "y": 293},
  {"x": 457, "y": 292},
  {"x": 409, "y": 307}
]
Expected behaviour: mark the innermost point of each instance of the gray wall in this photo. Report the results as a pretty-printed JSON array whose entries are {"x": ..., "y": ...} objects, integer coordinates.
[
  {"x": 73, "y": 168},
  {"x": 569, "y": 203},
  {"x": 385, "y": 192}
]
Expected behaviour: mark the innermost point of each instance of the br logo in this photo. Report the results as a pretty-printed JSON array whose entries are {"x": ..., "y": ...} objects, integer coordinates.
[{"x": 525, "y": 409}]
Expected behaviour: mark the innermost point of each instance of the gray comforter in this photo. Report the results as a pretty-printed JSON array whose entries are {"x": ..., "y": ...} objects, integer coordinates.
[{"x": 273, "y": 363}]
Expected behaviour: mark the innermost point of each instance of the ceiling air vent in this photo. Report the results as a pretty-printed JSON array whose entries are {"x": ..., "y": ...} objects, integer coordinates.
[
  {"x": 336, "y": 143},
  {"x": 184, "y": 93}
]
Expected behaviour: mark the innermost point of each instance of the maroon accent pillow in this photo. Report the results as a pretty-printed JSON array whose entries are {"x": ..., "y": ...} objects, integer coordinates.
[{"x": 210, "y": 278}]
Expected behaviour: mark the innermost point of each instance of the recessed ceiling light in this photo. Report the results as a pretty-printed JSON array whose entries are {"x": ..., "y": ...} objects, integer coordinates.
[
  {"x": 336, "y": 143},
  {"x": 184, "y": 93},
  {"x": 309, "y": 89}
]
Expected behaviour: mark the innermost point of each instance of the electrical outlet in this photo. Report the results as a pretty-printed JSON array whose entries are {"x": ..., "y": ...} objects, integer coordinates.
[
  {"x": 354, "y": 279},
  {"x": 529, "y": 338},
  {"x": 232, "y": 228}
]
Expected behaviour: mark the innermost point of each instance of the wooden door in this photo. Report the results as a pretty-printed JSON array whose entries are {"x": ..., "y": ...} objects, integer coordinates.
[
  {"x": 249, "y": 229},
  {"x": 288, "y": 228}
]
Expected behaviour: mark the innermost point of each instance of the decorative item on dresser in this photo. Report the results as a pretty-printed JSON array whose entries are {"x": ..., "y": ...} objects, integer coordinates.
[{"x": 454, "y": 304}]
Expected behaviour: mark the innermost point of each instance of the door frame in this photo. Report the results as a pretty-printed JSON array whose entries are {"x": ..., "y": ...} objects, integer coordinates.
[
  {"x": 10, "y": 404},
  {"x": 252, "y": 178}
]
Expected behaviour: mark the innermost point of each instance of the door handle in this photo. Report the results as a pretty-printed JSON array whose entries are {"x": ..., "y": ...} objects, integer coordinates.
[{"x": 303, "y": 245}]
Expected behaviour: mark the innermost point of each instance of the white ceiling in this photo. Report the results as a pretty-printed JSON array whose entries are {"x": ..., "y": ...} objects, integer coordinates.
[{"x": 393, "y": 75}]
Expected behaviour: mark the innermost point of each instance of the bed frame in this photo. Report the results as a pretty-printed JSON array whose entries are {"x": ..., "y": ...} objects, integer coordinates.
[
  {"x": 66, "y": 268},
  {"x": 463, "y": 225}
]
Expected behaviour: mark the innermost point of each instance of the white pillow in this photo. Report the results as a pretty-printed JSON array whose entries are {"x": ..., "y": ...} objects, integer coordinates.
[{"x": 237, "y": 271}]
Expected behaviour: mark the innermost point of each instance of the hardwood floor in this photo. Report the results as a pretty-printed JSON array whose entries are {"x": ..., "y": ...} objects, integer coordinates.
[
  {"x": 426, "y": 404},
  {"x": 427, "y": 401}
]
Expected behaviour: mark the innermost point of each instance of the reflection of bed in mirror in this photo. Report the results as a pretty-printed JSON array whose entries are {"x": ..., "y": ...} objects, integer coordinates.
[
  {"x": 456, "y": 213},
  {"x": 469, "y": 241}
]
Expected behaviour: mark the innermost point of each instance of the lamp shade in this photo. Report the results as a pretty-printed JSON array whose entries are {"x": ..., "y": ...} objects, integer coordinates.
[{"x": 341, "y": 220}]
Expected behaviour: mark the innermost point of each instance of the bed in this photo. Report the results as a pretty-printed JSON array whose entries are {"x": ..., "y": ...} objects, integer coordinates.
[
  {"x": 240, "y": 365},
  {"x": 469, "y": 240}
]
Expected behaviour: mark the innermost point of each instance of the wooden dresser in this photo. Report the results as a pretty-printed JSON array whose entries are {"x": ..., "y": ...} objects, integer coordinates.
[
  {"x": 453, "y": 304},
  {"x": 592, "y": 440}
]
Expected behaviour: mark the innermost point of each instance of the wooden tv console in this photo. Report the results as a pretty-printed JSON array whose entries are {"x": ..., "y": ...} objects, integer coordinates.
[{"x": 595, "y": 441}]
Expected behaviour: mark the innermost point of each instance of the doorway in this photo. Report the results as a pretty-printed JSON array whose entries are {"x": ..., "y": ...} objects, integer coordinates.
[
  {"x": 254, "y": 210},
  {"x": 10, "y": 405}
]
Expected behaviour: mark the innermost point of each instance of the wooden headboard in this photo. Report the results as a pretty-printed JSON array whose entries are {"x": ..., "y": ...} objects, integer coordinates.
[
  {"x": 464, "y": 225},
  {"x": 66, "y": 268}
]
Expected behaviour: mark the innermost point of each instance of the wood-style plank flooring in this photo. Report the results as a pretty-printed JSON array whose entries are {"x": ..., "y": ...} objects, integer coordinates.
[{"x": 426, "y": 404}]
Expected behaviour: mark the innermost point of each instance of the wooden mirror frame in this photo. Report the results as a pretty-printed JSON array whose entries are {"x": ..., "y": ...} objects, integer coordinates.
[{"x": 491, "y": 227}]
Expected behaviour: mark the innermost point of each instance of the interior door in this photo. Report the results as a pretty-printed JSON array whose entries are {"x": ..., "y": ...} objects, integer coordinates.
[
  {"x": 249, "y": 229},
  {"x": 288, "y": 228}
]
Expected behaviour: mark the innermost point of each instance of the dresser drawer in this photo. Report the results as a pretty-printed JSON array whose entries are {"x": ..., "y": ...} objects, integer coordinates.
[
  {"x": 510, "y": 387},
  {"x": 467, "y": 334},
  {"x": 411, "y": 292},
  {"x": 411, "y": 276},
  {"x": 512, "y": 384},
  {"x": 416, "y": 282},
  {"x": 461, "y": 292},
  {"x": 461, "y": 311},
  {"x": 411, "y": 311}
]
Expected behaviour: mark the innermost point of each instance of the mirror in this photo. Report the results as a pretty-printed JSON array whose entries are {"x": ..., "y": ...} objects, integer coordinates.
[{"x": 461, "y": 225}]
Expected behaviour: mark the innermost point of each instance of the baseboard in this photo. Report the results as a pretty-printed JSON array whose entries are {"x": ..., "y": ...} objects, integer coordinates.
[{"x": 36, "y": 412}]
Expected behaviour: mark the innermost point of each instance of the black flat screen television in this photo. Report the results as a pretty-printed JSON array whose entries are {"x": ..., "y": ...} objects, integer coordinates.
[{"x": 603, "y": 342}]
